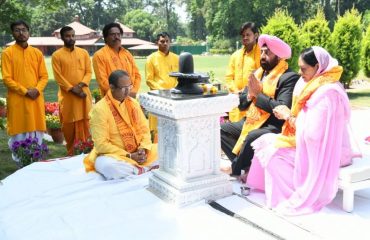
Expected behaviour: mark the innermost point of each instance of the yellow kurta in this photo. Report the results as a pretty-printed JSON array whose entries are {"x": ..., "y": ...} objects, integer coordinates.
[
  {"x": 158, "y": 66},
  {"x": 71, "y": 68},
  {"x": 107, "y": 138},
  {"x": 23, "y": 69},
  {"x": 241, "y": 64},
  {"x": 106, "y": 60}
]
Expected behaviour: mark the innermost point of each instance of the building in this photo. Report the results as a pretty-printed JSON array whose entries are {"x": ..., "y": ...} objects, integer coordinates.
[{"x": 86, "y": 38}]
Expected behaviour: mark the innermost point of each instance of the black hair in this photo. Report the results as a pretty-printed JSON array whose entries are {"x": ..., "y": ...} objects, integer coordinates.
[
  {"x": 65, "y": 29},
  {"x": 308, "y": 56},
  {"x": 162, "y": 34},
  {"x": 109, "y": 26},
  {"x": 250, "y": 25},
  {"x": 19, "y": 22},
  {"x": 115, "y": 75}
]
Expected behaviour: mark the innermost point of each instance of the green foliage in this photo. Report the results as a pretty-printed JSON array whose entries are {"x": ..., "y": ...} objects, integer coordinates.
[
  {"x": 315, "y": 31},
  {"x": 365, "y": 53},
  {"x": 185, "y": 41},
  {"x": 282, "y": 25},
  {"x": 11, "y": 11},
  {"x": 2, "y": 123},
  {"x": 366, "y": 19},
  {"x": 222, "y": 44},
  {"x": 141, "y": 21},
  {"x": 346, "y": 44}
]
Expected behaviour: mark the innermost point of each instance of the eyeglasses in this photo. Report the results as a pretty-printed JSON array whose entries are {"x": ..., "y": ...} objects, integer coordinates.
[
  {"x": 20, "y": 30},
  {"x": 125, "y": 88}
]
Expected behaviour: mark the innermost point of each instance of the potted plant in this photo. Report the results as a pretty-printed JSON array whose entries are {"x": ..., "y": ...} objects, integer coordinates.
[
  {"x": 54, "y": 128},
  {"x": 29, "y": 151},
  {"x": 2, "y": 107}
]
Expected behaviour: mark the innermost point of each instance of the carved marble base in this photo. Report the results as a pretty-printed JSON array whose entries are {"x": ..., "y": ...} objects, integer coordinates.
[
  {"x": 189, "y": 148},
  {"x": 181, "y": 193}
]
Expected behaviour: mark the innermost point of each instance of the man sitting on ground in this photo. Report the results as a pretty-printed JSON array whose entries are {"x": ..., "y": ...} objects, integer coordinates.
[{"x": 120, "y": 131}]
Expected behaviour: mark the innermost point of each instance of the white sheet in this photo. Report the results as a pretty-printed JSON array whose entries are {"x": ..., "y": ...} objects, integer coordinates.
[{"x": 58, "y": 200}]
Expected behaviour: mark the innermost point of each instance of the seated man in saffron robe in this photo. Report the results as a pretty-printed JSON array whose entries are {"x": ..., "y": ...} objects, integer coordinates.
[
  {"x": 120, "y": 131},
  {"x": 299, "y": 168}
]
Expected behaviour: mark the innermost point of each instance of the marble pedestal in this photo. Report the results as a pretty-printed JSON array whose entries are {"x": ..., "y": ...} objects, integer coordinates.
[{"x": 189, "y": 148}]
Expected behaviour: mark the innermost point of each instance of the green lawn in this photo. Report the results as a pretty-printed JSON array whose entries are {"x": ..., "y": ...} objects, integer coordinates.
[{"x": 217, "y": 64}]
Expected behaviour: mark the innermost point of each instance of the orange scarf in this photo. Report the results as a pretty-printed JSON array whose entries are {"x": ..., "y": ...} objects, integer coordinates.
[
  {"x": 125, "y": 127},
  {"x": 256, "y": 117},
  {"x": 287, "y": 137}
]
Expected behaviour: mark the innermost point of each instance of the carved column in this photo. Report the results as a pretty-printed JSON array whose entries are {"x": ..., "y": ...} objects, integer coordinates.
[{"x": 189, "y": 148}]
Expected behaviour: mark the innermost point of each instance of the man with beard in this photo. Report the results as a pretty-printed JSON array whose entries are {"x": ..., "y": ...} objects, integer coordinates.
[
  {"x": 241, "y": 64},
  {"x": 271, "y": 85},
  {"x": 113, "y": 57},
  {"x": 25, "y": 76},
  {"x": 72, "y": 71}
]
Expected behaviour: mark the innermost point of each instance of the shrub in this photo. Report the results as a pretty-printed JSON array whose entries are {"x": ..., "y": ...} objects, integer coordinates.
[
  {"x": 282, "y": 25},
  {"x": 315, "y": 31},
  {"x": 346, "y": 44},
  {"x": 365, "y": 53}
]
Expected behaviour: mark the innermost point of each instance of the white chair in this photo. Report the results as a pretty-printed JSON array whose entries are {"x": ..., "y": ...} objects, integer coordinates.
[{"x": 352, "y": 178}]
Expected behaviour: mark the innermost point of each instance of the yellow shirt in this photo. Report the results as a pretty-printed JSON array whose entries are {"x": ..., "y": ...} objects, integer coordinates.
[
  {"x": 70, "y": 68},
  {"x": 107, "y": 138},
  {"x": 158, "y": 66},
  {"x": 24, "y": 68},
  {"x": 241, "y": 64},
  {"x": 106, "y": 60}
]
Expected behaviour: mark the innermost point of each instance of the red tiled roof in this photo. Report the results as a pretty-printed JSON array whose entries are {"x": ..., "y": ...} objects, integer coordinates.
[
  {"x": 144, "y": 47},
  {"x": 133, "y": 41},
  {"x": 79, "y": 28},
  {"x": 125, "y": 28}
]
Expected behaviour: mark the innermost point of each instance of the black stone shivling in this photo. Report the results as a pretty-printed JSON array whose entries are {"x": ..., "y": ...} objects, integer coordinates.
[{"x": 188, "y": 80}]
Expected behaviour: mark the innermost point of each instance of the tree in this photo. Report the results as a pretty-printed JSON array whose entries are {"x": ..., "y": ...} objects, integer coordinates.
[
  {"x": 315, "y": 31},
  {"x": 346, "y": 44},
  {"x": 365, "y": 53},
  {"x": 197, "y": 24},
  {"x": 282, "y": 25},
  {"x": 164, "y": 9},
  {"x": 11, "y": 11},
  {"x": 142, "y": 22}
]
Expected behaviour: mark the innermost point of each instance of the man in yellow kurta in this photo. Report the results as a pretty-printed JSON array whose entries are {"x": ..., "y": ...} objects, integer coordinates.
[
  {"x": 158, "y": 66},
  {"x": 120, "y": 131},
  {"x": 25, "y": 76},
  {"x": 241, "y": 64},
  {"x": 270, "y": 86},
  {"x": 112, "y": 57},
  {"x": 72, "y": 71}
]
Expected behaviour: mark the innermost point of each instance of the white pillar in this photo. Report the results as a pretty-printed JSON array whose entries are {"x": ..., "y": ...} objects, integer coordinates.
[{"x": 189, "y": 147}]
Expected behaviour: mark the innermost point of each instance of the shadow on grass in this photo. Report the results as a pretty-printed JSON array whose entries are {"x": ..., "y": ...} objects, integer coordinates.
[{"x": 360, "y": 94}]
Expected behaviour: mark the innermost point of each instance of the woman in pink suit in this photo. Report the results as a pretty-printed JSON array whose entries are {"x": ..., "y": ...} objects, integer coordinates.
[{"x": 298, "y": 169}]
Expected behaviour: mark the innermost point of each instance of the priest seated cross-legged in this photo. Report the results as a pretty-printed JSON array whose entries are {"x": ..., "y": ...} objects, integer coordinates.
[{"x": 120, "y": 131}]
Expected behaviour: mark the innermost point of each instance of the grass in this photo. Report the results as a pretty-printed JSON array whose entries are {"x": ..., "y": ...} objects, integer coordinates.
[{"x": 217, "y": 64}]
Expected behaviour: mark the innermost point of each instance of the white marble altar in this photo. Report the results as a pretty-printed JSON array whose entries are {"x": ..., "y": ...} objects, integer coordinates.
[{"x": 189, "y": 148}]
